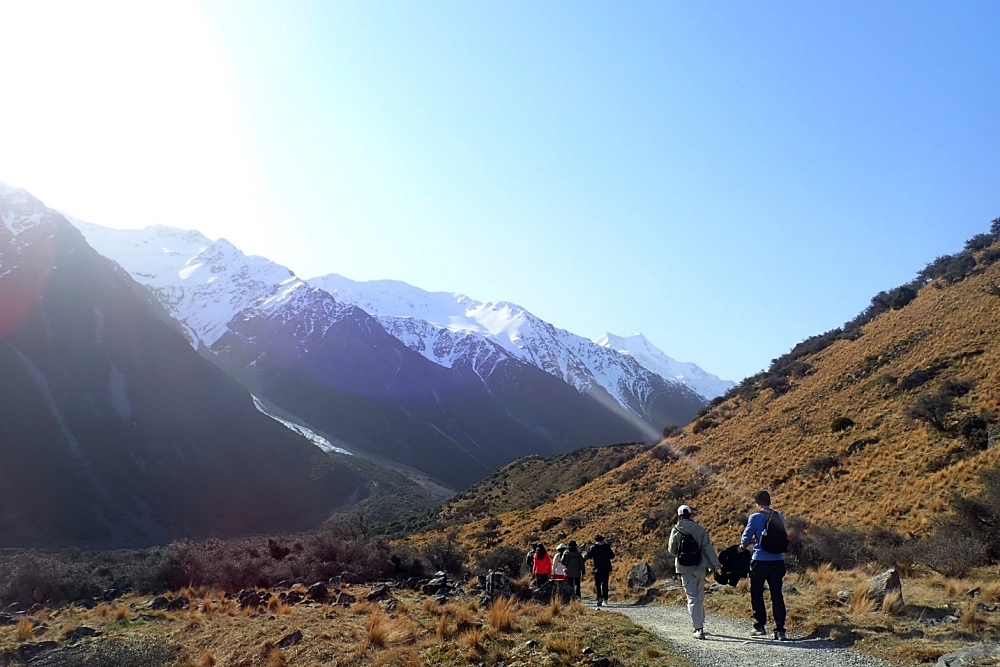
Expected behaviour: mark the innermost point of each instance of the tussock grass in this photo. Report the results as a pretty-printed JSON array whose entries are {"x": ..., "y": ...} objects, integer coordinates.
[
  {"x": 25, "y": 629},
  {"x": 502, "y": 615},
  {"x": 378, "y": 631}
]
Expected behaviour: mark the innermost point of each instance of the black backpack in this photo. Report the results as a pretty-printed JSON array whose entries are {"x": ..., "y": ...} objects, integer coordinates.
[
  {"x": 689, "y": 551},
  {"x": 774, "y": 538}
]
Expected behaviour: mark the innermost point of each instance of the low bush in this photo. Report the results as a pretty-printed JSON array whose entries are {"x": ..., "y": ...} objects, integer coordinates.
[
  {"x": 841, "y": 424},
  {"x": 550, "y": 522},
  {"x": 664, "y": 452},
  {"x": 504, "y": 559},
  {"x": 819, "y": 464}
]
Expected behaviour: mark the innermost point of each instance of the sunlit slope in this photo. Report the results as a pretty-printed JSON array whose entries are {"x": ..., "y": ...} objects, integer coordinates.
[{"x": 887, "y": 469}]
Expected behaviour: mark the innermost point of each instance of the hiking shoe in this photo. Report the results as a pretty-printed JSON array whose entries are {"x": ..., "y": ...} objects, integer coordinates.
[
  {"x": 699, "y": 633},
  {"x": 598, "y": 602},
  {"x": 759, "y": 632},
  {"x": 779, "y": 636}
]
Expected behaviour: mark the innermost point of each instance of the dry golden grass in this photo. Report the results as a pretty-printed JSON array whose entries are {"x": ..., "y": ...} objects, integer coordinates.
[
  {"x": 25, "y": 629},
  {"x": 502, "y": 615},
  {"x": 378, "y": 631},
  {"x": 366, "y": 637}
]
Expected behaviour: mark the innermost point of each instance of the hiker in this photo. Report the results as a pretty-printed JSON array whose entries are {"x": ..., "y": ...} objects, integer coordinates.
[
  {"x": 600, "y": 552},
  {"x": 542, "y": 565},
  {"x": 558, "y": 568},
  {"x": 766, "y": 533},
  {"x": 694, "y": 556},
  {"x": 575, "y": 566},
  {"x": 529, "y": 558}
]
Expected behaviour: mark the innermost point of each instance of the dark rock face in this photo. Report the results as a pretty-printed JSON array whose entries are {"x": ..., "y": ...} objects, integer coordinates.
[
  {"x": 641, "y": 576},
  {"x": 114, "y": 431}
]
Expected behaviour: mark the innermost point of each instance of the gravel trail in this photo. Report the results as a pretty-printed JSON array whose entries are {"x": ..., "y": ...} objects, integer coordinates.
[{"x": 728, "y": 642}]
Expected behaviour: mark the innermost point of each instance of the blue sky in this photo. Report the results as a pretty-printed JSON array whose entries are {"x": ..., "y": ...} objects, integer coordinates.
[{"x": 727, "y": 179}]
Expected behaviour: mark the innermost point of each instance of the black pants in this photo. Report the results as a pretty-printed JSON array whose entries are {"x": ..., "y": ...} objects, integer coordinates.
[
  {"x": 769, "y": 572},
  {"x": 601, "y": 584},
  {"x": 575, "y": 583},
  {"x": 541, "y": 580}
]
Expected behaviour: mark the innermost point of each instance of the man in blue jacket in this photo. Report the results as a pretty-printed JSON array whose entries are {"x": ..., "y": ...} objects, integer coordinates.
[{"x": 765, "y": 567}]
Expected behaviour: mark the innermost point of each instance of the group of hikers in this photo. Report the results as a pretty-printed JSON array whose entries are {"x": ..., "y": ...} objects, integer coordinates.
[
  {"x": 760, "y": 555},
  {"x": 569, "y": 564}
]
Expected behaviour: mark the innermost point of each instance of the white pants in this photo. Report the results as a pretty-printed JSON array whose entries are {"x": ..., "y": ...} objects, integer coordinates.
[{"x": 694, "y": 587}]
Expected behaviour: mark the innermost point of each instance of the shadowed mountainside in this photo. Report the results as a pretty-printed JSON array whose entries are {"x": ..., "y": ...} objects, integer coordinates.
[{"x": 113, "y": 431}]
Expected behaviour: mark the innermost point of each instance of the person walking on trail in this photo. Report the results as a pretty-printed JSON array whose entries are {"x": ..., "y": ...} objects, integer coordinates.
[
  {"x": 558, "y": 567},
  {"x": 572, "y": 560},
  {"x": 529, "y": 558},
  {"x": 694, "y": 556},
  {"x": 602, "y": 555},
  {"x": 542, "y": 567},
  {"x": 766, "y": 533}
]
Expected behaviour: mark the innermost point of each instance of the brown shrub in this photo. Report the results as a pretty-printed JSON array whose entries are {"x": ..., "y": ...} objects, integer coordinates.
[{"x": 502, "y": 615}]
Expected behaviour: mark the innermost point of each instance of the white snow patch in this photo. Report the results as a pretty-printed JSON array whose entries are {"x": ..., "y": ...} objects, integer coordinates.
[{"x": 304, "y": 431}]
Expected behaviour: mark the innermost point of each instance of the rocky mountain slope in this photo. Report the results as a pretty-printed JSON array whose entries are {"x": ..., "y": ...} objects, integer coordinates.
[
  {"x": 336, "y": 369},
  {"x": 113, "y": 431},
  {"x": 879, "y": 423}
]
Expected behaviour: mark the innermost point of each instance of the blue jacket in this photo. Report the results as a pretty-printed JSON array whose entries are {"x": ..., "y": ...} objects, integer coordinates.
[{"x": 755, "y": 528}]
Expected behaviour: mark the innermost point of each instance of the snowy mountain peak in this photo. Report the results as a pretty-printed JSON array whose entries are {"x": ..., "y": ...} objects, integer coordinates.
[{"x": 650, "y": 356}]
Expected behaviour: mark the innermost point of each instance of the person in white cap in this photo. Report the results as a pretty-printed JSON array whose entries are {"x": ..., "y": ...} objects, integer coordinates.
[
  {"x": 558, "y": 568},
  {"x": 694, "y": 556}
]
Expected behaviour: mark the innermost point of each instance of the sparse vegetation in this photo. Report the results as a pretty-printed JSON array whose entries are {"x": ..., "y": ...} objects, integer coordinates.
[{"x": 841, "y": 424}]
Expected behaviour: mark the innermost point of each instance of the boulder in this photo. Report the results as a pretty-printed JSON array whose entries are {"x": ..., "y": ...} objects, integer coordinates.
[
  {"x": 335, "y": 583},
  {"x": 883, "y": 584},
  {"x": 641, "y": 576},
  {"x": 318, "y": 592},
  {"x": 351, "y": 578},
  {"x": 251, "y": 599},
  {"x": 552, "y": 588},
  {"x": 159, "y": 602},
  {"x": 980, "y": 654},
  {"x": 379, "y": 593},
  {"x": 289, "y": 640},
  {"x": 650, "y": 595},
  {"x": 179, "y": 603},
  {"x": 345, "y": 600},
  {"x": 80, "y": 632}
]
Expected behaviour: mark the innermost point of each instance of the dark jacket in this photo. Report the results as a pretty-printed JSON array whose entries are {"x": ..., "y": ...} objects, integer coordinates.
[
  {"x": 735, "y": 565},
  {"x": 602, "y": 555},
  {"x": 573, "y": 560}
]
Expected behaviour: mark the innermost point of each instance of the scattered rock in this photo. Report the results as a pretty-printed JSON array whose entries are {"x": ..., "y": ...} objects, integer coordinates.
[
  {"x": 80, "y": 632},
  {"x": 379, "y": 593},
  {"x": 335, "y": 583},
  {"x": 649, "y": 525},
  {"x": 26, "y": 652},
  {"x": 859, "y": 445},
  {"x": 252, "y": 599},
  {"x": 600, "y": 661},
  {"x": 882, "y": 585},
  {"x": 179, "y": 603},
  {"x": 292, "y": 598},
  {"x": 7, "y": 619},
  {"x": 641, "y": 576},
  {"x": 283, "y": 585},
  {"x": 345, "y": 599},
  {"x": 160, "y": 602},
  {"x": 290, "y": 640},
  {"x": 390, "y": 605},
  {"x": 980, "y": 654},
  {"x": 993, "y": 436},
  {"x": 587, "y": 650},
  {"x": 647, "y": 597},
  {"x": 552, "y": 588}
]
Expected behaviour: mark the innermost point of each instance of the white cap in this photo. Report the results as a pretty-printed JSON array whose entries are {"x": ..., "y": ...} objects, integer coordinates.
[{"x": 682, "y": 509}]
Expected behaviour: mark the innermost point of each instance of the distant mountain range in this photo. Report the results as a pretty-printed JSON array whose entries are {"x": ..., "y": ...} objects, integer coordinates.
[
  {"x": 113, "y": 430},
  {"x": 395, "y": 371}
]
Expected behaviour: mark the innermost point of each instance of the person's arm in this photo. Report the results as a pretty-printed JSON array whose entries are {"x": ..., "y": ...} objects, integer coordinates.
[
  {"x": 749, "y": 533},
  {"x": 673, "y": 544}
]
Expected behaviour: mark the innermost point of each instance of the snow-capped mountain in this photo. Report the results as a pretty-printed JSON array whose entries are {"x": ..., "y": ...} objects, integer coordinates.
[
  {"x": 337, "y": 369},
  {"x": 651, "y": 357},
  {"x": 113, "y": 430},
  {"x": 445, "y": 327}
]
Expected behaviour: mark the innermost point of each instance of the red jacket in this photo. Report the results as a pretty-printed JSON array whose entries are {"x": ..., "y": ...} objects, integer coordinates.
[{"x": 542, "y": 565}]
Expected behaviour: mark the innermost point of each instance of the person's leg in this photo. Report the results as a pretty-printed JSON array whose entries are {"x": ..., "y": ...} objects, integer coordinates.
[
  {"x": 757, "y": 569},
  {"x": 601, "y": 585},
  {"x": 694, "y": 588},
  {"x": 775, "y": 574}
]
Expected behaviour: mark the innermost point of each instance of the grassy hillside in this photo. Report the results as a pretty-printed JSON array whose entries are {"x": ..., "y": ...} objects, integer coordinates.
[
  {"x": 878, "y": 424},
  {"x": 526, "y": 483}
]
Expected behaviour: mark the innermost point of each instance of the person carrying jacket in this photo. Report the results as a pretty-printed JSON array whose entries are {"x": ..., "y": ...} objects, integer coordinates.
[
  {"x": 575, "y": 566},
  {"x": 765, "y": 568},
  {"x": 542, "y": 567},
  {"x": 602, "y": 555},
  {"x": 693, "y": 576}
]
